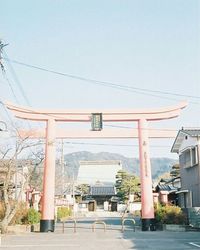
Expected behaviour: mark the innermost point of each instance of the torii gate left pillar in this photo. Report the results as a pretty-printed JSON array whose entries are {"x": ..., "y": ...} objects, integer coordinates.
[
  {"x": 47, "y": 220},
  {"x": 140, "y": 116}
]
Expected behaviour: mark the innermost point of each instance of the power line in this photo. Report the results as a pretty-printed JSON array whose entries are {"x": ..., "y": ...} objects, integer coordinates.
[
  {"x": 12, "y": 90},
  {"x": 113, "y": 145},
  {"x": 109, "y": 84},
  {"x": 127, "y": 127},
  {"x": 16, "y": 80},
  {"x": 15, "y": 77}
]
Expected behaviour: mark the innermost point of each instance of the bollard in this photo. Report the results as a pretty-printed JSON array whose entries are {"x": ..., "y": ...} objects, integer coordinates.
[
  {"x": 98, "y": 222},
  {"x": 123, "y": 221},
  {"x": 66, "y": 220}
]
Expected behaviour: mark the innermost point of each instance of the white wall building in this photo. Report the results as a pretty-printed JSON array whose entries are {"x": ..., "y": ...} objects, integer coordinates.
[
  {"x": 103, "y": 171},
  {"x": 187, "y": 146}
]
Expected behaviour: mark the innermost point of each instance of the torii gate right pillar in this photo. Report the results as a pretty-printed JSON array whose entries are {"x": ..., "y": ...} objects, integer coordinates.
[{"x": 148, "y": 221}]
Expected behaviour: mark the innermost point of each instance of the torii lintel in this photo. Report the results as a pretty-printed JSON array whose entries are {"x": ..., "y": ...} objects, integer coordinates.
[{"x": 108, "y": 115}]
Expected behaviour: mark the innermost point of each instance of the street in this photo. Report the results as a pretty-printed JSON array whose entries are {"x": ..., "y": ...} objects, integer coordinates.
[{"x": 113, "y": 238}]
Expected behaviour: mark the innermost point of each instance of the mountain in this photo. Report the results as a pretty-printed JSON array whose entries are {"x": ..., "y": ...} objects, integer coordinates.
[{"x": 131, "y": 165}]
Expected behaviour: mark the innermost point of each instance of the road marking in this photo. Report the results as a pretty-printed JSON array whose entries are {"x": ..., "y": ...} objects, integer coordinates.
[{"x": 191, "y": 243}]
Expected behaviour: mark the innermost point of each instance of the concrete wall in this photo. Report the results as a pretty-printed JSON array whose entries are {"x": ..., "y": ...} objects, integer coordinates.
[{"x": 194, "y": 216}]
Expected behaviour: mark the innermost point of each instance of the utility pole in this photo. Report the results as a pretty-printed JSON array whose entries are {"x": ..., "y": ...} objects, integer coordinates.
[
  {"x": 73, "y": 194},
  {"x": 16, "y": 171},
  {"x": 62, "y": 167}
]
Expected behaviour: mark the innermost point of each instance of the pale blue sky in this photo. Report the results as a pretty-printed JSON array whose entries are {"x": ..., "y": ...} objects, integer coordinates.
[{"x": 152, "y": 44}]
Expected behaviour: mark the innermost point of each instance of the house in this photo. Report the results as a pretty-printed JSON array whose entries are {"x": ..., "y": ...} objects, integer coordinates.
[
  {"x": 167, "y": 190},
  {"x": 187, "y": 146}
]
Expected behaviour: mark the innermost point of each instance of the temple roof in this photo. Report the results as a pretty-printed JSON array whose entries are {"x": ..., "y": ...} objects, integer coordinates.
[{"x": 102, "y": 190}]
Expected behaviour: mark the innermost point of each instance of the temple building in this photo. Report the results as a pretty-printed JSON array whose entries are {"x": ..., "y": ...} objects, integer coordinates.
[{"x": 92, "y": 172}]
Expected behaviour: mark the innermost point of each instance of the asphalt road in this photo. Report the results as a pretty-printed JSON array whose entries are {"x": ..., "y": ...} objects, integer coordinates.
[{"x": 113, "y": 238}]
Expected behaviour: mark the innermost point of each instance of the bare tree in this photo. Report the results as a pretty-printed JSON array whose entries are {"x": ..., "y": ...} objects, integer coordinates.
[{"x": 8, "y": 167}]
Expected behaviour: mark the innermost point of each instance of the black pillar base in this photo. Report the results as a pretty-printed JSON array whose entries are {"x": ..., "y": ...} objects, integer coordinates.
[
  {"x": 47, "y": 225},
  {"x": 148, "y": 225}
]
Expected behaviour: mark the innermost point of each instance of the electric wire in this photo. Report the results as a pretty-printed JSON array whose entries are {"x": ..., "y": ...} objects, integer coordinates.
[
  {"x": 110, "y": 84},
  {"x": 107, "y": 84},
  {"x": 12, "y": 90},
  {"x": 103, "y": 144},
  {"x": 149, "y": 129},
  {"x": 98, "y": 81},
  {"x": 109, "y": 144},
  {"x": 16, "y": 79}
]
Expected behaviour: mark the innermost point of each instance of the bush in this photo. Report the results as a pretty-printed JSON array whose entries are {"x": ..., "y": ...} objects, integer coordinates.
[
  {"x": 33, "y": 216},
  {"x": 159, "y": 212},
  {"x": 2, "y": 210},
  {"x": 21, "y": 214},
  {"x": 63, "y": 212},
  {"x": 168, "y": 214}
]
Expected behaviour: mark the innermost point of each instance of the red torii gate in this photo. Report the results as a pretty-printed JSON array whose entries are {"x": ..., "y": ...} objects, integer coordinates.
[{"x": 143, "y": 133}]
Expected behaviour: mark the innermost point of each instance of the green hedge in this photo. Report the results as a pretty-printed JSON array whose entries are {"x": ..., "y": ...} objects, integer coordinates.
[
  {"x": 63, "y": 212},
  {"x": 33, "y": 216},
  {"x": 168, "y": 214}
]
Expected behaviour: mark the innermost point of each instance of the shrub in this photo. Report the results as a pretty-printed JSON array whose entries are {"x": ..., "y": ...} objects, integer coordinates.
[
  {"x": 159, "y": 213},
  {"x": 33, "y": 216},
  {"x": 20, "y": 216},
  {"x": 63, "y": 212},
  {"x": 168, "y": 214},
  {"x": 2, "y": 210}
]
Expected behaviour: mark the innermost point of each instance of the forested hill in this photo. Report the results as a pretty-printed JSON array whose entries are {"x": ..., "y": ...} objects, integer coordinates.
[{"x": 131, "y": 165}]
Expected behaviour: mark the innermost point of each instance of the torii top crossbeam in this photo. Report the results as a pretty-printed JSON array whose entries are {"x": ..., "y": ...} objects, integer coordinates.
[{"x": 108, "y": 115}]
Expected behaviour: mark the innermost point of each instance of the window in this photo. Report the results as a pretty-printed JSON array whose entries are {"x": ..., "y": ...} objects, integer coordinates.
[
  {"x": 194, "y": 156},
  {"x": 189, "y": 157}
]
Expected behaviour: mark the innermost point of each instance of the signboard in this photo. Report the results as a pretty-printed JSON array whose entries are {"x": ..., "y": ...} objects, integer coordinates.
[{"x": 97, "y": 121}]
